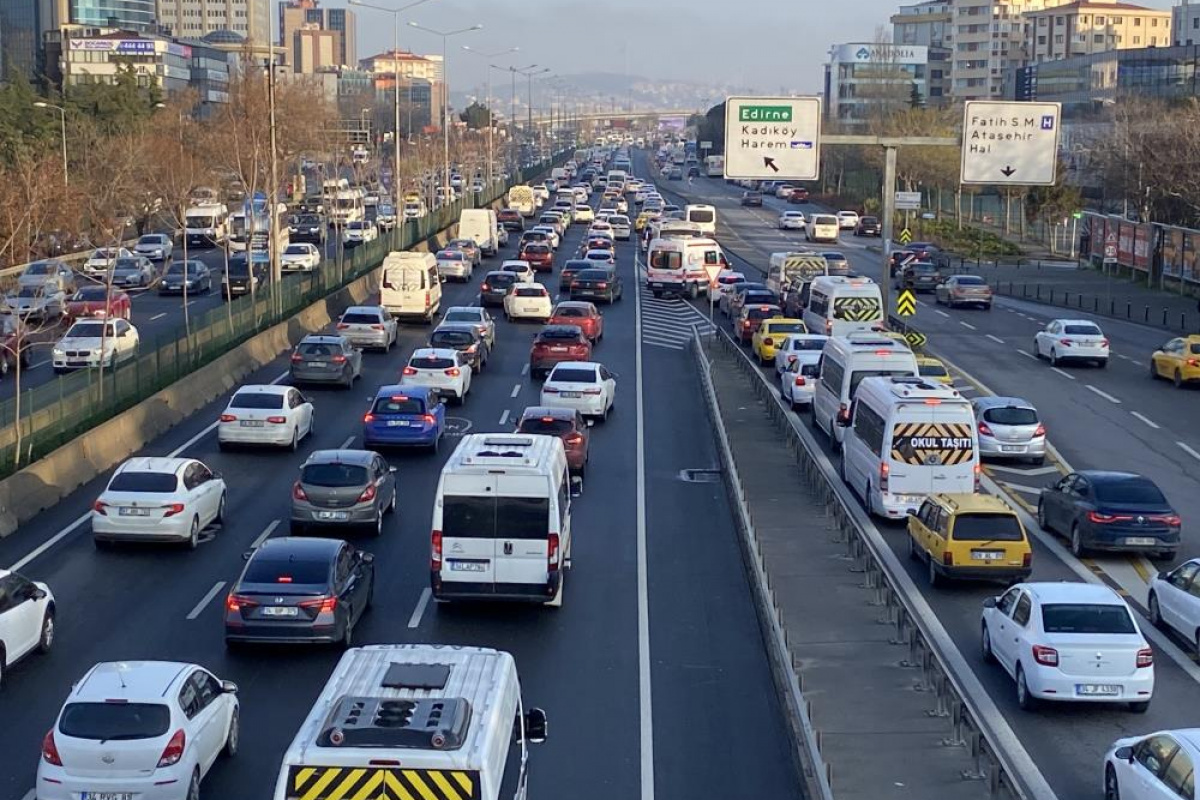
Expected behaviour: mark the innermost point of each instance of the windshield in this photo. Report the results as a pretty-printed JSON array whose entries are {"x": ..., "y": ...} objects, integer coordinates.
[
  {"x": 89, "y": 330},
  {"x": 296, "y": 250},
  {"x": 987, "y": 528},
  {"x": 107, "y": 722},
  {"x": 1129, "y": 490},
  {"x": 151, "y": 238},
  {"x": 1086, "y": 618},
  {"x": 152, "y": 482},
  {"x": 201, "y": 222},
  {"x": 564, "y": 333},
  {"x": 259, "y": 400},
  {"x": 450, "y": 255},
  {"x": 334, "y": 475}
]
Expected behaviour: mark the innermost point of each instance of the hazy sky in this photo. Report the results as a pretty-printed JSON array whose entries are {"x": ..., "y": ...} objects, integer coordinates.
[{"x": 764, "y": 44}]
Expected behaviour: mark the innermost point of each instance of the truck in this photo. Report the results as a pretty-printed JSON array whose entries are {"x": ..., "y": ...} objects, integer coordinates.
[{"x": 522, "y": 199}]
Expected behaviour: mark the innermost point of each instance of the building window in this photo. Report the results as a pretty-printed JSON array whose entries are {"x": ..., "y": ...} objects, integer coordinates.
[
  {"x": 1043, "y": 21},
  {"x": 1058, "y": 38},
  {"x": 1137, "y": 22},
  {"x": 1041, "y": 40},
  {"x": 1118, "y": 20},
  {"x": 1099, "y": 20},
  {"x": 1059, "y": 22},
  {"x": 1195, "y": 23},
  {"x": 1098, "y": 38},
  {"x": 1137, "y": 40}
]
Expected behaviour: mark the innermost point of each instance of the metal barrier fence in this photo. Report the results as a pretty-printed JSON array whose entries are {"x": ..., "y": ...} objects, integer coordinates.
[{"x": 37, "y": 420}]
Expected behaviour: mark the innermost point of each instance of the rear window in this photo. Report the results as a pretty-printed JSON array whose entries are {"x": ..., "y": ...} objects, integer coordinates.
[
  {"x": 109, "y": 722},
  {"x": 256, "y": 400},
  {"x": 1129, "y": 490},
  {"x": 857, "y": 376},
  {"x": 461, "y": 316},
  {"x": 399, "y": 405},
  {"x": 270, "y": 570},
  {"x": 523, "y": 517},
  {"x": 334, "y": 475},
  {"x": 561, "y": 334},
  {"x": 467, "y": 517},
  {"x": 702, "y": 216},
  {"x": 757, "y": 298},
  {"x": 987, "y": 528},
  {"x": 808, "y": 344},
  {"x": 537, "y": 249},
  {"x": 1082, "y": 330},
  {"x": 932, "y": 370},
  {"x": 569, "y": 375},
  {"x": 360, "y": 319},
  {"x": 788, "y": 327},
  {"x": 318, "y": 349},
  {"x": 570, "y": 312},
  {"x": 761, "y": 313},
  {"x": 153, "y": 482},
  {"x": 1086, "y": 618},
  {"x": 547, "y": 425},
  {"x": 451, "y": 339},
  {"x": 971, "y": 280},
  {"x": 922, "y": 267},
  {"x": 1011, "y": 415},
  {"x": 502, "y": 279},
  {"x": 452, "y": 255},
  {"x": 432, "y": 362},
  {"x": 1195, "y": 349},
  {"x": 531, "y": 292},
  {"x": 822, "y": 219},
  {"x": 592, "y": 275}
]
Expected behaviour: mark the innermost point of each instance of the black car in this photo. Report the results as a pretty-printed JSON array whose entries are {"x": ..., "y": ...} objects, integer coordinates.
[
  {"x": 198, "y": 278},
  {"x": 300, "y": 590},
  {"x": 752, "y": 199},
  {"x": 569, "y": 270},
  {"x": 307, "y": 228},
  {"x": 921, "y": 276},
  {"x": 495, "y": 287},
  {"x": 241, "y": 275},
  {"x": 1110, "y": 511},
  {"x": 596, "y": 283},
  {"x": 868, "y": 226},
  {"x": 899, "y": 259},
  {"x": 465, "y": 338}
]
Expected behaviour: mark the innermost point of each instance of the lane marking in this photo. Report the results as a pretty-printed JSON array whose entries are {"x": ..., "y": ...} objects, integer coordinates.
[
  {"x": 967, "y": 325},
  {"x": 1029, "y": 355},
  {"x": 195, "y": 612},
  {"x": 1102, "y": 393},
  {"x": 415, "y": 620},
  {"x": 1127, "y": 358},
  {"x": 1066, "y": 375},
  {"x": 645, "y": 701},
  {"x": 525, "y": 369},
  {"x": 158, "y": 316},
  {"x": 995, "y": 339},
  {"x": 39, "y": 364},
  {"x": 516, "y": 390},
  {"x": 943, "y": 313},
  {"x": 1019, "y": 471},
  {"x": 346, "y": 443},
  {"x": 1020, "y": 487},
  {"x": 504, "y": 417},
  {"x": 1189, "y": 450},
  {"x": 262, "y": 537},
  {"x": 1149, "y": 422}
]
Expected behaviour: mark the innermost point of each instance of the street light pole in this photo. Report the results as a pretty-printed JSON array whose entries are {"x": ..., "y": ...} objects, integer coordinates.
[
  {"x": 62, "y": 118},
  {"x": 491, "y": 113}
]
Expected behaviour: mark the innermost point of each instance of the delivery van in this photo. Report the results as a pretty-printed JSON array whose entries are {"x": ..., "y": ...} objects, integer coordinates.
[
  {"x": 479, "y": 225},
  {"x": 410, "y": 287}
]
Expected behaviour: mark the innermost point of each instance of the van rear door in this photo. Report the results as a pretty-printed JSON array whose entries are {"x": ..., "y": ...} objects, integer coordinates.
[
  {"x": 469, "y": 533},
  {"x": 523, "y": 529},
  {"x": 932, "y": 449}
]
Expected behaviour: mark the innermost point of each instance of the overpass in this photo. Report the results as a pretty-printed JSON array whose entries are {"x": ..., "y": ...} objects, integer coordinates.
[{"x": 600, "y": 116}]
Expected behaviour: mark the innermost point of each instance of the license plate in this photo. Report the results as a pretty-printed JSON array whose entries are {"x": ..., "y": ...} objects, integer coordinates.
[
  {"x": 570, "y": 394},
  {"x": 558, "y": 349},
  {"x": 1097, "y": 689},
  {"x": 106, "y": 796},
  {"x": 1012, "y": 448},
  {"x": 1141, "y": 541},
  {"x": 397, "y": 423},
  {"x": 281, "y": 611},
  {"x": 987, "y": 555},
  {"x": 333, "y": 515},
  {"x": 252, "y": 423},
  {"x": 468, "y": 566},
  {"x": 315, "y": 364},
  {"x": 135, "y": 512}
]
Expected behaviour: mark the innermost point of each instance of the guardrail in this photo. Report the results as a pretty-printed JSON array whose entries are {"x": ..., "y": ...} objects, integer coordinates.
[
  {"x": 35, "y": 421},
  {"x": 974, "y": 722}
]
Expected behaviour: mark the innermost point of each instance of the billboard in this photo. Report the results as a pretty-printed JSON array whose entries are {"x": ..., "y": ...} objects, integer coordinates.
[
  {"x": 126, "y": 47},
  {"x": 1143, "y": 241}
]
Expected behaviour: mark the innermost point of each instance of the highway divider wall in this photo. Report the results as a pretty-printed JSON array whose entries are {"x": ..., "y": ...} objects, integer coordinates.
[{"x": 133, "y": 410}]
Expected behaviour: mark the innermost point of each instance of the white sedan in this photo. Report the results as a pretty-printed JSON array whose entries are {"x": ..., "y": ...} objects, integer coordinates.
[
  {"x": 1153, "y": 766},
  {"x": 586, "y": 386},
  {"x": 152, "y": 499},
  {"x": 796, "y": 345},
  {"x": 1069, "y": 642},
  {"x": 359, "y": 232},
  {"x": 522, "y": 269},
  {"x": 300, "y": 257},
  {"x": 446, "y": 370},
  {"x": 1064, "y": 340},
  {"x": 102, "y": 259},
  {"x": 792, "y": 221},
  {"x": 88, "y": 343},
  {"x": 528, "y": 300},
  {"x": 265, "y": 414},
  {"x": 847, "y": 220},
  {"x": 1174, "y": 601},
  {"x": 26, "y": 618}
]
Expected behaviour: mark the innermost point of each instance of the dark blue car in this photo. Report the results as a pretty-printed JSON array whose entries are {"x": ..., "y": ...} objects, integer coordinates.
[
  {"x": 1111, "y": 512},
  {"x": 404, "y": 416}
]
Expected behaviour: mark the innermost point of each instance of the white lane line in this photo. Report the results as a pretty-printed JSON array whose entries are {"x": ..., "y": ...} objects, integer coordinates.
[
  {"x": 1102, "y": 393},
  {"x": 516, "y": 390},
  {"x": 1149, "y": 422},
  {"x": 995, "y": 339},
  {"x": 1028, "y": 355},
  {"x": 943, "y": 313},
  {"x": 262, "y": 537},
  {"x": 1125, "y": 357},
  {"x": 525, "y": 369},
  {"x": 415, "y": 620},
  {"x": 158, "y": 316},
  {"x": 1010, "y": 310},
  {"x": 967, "y": 325},
  {"x": 504, "y": 417},
  {"x": 645, "y": 703},
  {"x": 1021, "y": 487},
  {"x": 195, "y": 612},
  {"x": 1191, "y": 451},
  {"x": 39, "y": 364},
  {"x": 346, "y": 443},
  {"x": 1066, "y": 375}
]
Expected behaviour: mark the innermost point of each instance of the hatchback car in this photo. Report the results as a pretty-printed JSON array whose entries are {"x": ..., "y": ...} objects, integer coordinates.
[
  {"x": 401, "y": 416},
  {"x": 445, "y": 370},
  {"x": 26, "y": 619},
  {"x": 268, "y": 414},
  {"x": 241, "y": 277},
  {"x": 1009, "y": 427},
  {"x": 192, "y": 276},
  {"x": 584, "y": 386},
  {"x": 1110, "y": 511},
  {"x": 495, "y": 287},
  {"x": 1066, "y": 340},
  {"x": 795, "y": 346},
  {"x": 964, "y": 290},
  {"x": 321, "y": 358},
  {"x": 581, "y": 314},
  {"x": 146, "y": 729},
  {"x": 868, "y": 226},
  {"x": 621, "y": 227},
  {"x": 555, "y": 344},
  {"x": 455, "y": 264},
  {"x": 152, "y": 499},
  {"x": 97, "y": 301},
  {"x": 295, "y": 589},
  {"x": 511, "y": 220},
  {"x": 343, "y": 489},
  {"x": 537, "y": 255},
  {"x": 597, "y": 284},
  {"x": 368, "y": 326},
  {"x": 1178, "y": 360},
  {"x": 750, "y": 318},
  {"x": 565, "y": 423},
  {"x": 466, "y": 338},
  {"x": 566, "y": 275},
  {"x": 969, "y": 536},
  {"x": 528, "y": 301},
  {"x": 601, "y": 256}
]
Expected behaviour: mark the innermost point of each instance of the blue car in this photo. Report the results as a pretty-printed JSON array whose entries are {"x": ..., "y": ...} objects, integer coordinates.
[{"x": 404, "y": 416}]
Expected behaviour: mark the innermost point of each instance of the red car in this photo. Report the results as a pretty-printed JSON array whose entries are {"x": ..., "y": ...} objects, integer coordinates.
[
  {"x": 750, "y": 320},
  {"x": 539, "y": 256},
  {"x": 798, "y": 196},
  {"x": 555, "y": 344},
  {"x": 581, "y": 314},
  {"x": 567, "y": 424},
  {"x": 89, "y": 301}
]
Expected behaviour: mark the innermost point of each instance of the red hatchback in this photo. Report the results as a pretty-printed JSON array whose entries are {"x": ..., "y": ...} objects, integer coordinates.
[
  {"x": 565, "y": 423},
  {"x": 539, "y": 256},
  {"x": 582, "y": 314},
  {"x": 89, "y": 301},
  {"x": 798, "y": 196},
  {"x": 751, "y": 319},
  {"x": 555, "y": 344}
]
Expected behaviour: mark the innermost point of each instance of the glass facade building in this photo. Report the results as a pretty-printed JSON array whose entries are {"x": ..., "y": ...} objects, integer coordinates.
[
  {"x": 20, "y": 37},
  {"x": 128, "y": 15}
]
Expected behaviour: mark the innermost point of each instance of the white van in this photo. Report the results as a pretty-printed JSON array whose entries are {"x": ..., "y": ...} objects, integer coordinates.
[
  {"x": 479, "y": 225},
  {"x": 839, "y": 305},
  {"x": 787, "y": 271},
  {"x": 702, "y": 215},
  {"x": 845, "y": 362},
  {"x": 521, "y": 198},
  {"x": 415, "y": 720},
  {"x": 502, "y": 520},
  {"x": 206, "y": 224},
  {"x": 822, "y": 228},
  {"x": 676, "y": 266},
  {"x": 410, "y": 286},
  {"x": 908, "y": 438}
]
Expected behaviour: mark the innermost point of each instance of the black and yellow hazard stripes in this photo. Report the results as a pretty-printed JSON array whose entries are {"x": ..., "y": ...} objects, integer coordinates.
[
  {"x": 804, "y": 267},
  {"x": 381, "y": 783},
  {"x": 932, "y": 443},
  {"x": 857, "y": 309}
]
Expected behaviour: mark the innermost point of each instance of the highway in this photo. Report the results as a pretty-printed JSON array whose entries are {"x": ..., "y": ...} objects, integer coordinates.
[
  {"x": 1116, "y": 418},
  {"x": 652, "y": 673}
]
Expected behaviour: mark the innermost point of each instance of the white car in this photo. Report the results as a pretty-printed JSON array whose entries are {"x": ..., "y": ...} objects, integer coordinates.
[
  {"x": 522, "y": 269},
  {"x": 149, "y": 730},
  {"x": 152, "y": 499},
  {"x": 455, "y": 264},
  {"x": 1069, "y": 642},
  {"x": 554, "y": 240},
  {"x": 640, "y": 195},
  {"x": 26, "y": 619},
  {"x": 798, "y": 346},
  {"x": 501, "y": 236},
  {"x": 792, "y": 221},
  {"x": 1153, "y": 766},
  {"x": 847, "y": 220},
  {"x": 584, "y": 213},
  {"x": 798, "y": 380},
  {"x": 446, "y": 370},
  {"x": 155, "y": 246},
  {"x": 602, "y": 257},
  {"x": 359, "y": 232},
  {"x": 474, "y": 315},
  {"x": 528, "y": 300},
  {"x": 87, "y": 343},
  {"x": 783, "y": 191},
  {"x": 369, "y": 326},
  {"x": 586, "y": 386},
  {"x": 1064, "y": 340},
  {"x": 600, "y": 227},
  {"x": 102, "y": 259},
  {"x": 265, "y": 414},
  {"x": 726, "y": 280},
  {"x": 1174, "y": 601},
  {"x": 300, "y": 257}
]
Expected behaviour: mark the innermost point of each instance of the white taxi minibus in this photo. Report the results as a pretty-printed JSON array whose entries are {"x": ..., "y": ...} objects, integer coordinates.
[
  {"x": 845, "y": 362},
  {"x": 839, "y": 305}
]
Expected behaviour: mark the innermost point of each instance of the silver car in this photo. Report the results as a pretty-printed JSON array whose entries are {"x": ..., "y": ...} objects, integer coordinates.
[
  {"x": 343, "y": 488},
  {"x": 155, "y": 246},
  {"x": 132, "y": 271},
  {"x": 1010, "y": 427},
  {"x": 479, "y": 317},
  {"x": 326, "y": 359},
  {"x": 368, "y": 326}
]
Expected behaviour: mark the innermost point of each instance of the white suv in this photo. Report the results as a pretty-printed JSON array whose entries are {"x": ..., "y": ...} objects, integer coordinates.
[
  {"x": 26, "y": 619},
  {"x": 145, "y": 729}
]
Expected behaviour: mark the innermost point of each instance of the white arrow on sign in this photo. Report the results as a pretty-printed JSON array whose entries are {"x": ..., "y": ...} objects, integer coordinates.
[{"x": 1010, "y": 143}]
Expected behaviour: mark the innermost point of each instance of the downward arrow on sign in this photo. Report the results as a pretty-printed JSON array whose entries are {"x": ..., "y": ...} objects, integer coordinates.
[
  {"x": 770, "y": 162},
  {"x": 1007, "y": 172}
]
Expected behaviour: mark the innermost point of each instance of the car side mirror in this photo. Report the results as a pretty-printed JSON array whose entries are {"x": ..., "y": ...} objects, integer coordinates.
[
  {"x": 36, "y": 593},
  {"x": 365, "y": 557},
  {"x": 217, "y": 475},
  {"x": 843, "y": 422},
  {"x": 1124, "y": 753},
  {"x": 536, "y": 725},
  {"x": 989, "y": 603},
  {"x": 229, "y": 687}
]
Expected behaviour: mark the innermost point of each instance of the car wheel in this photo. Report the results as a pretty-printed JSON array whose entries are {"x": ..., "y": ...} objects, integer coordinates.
[
  {"x": 985, "y": 646},
  {"x": 295, "y": 445},
  {"x": 220, "y": 517},
  {"x": 1043, "y": 520},
  {"x": 935, "y": 580},
  {"x": 1178, "y": 379},
  {"x": 193, "y": 792},
  {"x": 1140, "y": 707},
  {"x": 1154, "y": 612},
  {"x": 1077, "y": 547},
  {"x": 1053, "y": 357},
  {"x": 232, "y": 739},
  {"x": 1112, "y": 790},
  {"x": 193, "y": 540},
  {"x": 377, "y": 531},
  {"x": 46, "y": 639},
  {"x": 1025, "y": 699}
]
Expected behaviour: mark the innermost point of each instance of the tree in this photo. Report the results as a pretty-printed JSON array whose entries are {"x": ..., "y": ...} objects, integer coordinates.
[{"x": 477, "y": 116}]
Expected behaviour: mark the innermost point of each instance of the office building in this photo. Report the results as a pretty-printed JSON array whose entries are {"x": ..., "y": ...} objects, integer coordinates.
[
  {"x": 195, "y": 19},
  {"x": 865, "y": 81},
  {"x": 24, "y": 25},
  {"x": 21, "y": 29},
  {"x": 929, "y": 24},
  {"x": 313, "y": 49},
  {"x": 1083, "y": 28},
  {"x": 413, "y": 70},
  {"x": 297, "y": 15}
]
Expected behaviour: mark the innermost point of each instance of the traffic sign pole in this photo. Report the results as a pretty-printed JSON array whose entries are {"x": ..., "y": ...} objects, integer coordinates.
[{"x": 889, "y": 212}]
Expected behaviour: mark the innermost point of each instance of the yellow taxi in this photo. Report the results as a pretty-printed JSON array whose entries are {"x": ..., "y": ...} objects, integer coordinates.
[
  {"x": 971, "y": 536},
  {"x": 1178, "y": 359},
  {"x": 930, "y": 367},
  {"x": 643, "y": 219},
  {"x": 770, "y": 335}
]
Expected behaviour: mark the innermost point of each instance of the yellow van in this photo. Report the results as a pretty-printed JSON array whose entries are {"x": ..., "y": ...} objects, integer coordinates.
[{"x": 971, "y": 536}]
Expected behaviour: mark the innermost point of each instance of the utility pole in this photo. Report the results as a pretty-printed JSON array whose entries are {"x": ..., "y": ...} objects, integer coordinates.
[
  {"x": 491, "y": 111},
  {"x": 272, "y": 201}
]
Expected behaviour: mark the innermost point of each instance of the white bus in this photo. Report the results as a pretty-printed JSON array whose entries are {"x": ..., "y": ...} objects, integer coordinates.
[
  {"x": 714, "y": 166},
  {"x": 838, "y": 305}
]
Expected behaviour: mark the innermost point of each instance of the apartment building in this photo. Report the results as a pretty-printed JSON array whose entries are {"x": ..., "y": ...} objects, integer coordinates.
[
  {"x": 297, "y": 20},
  {"x": 1185, "y": 24},
  {"x": 1083, "y": 28},
  {"x": 194, "y": 19}
]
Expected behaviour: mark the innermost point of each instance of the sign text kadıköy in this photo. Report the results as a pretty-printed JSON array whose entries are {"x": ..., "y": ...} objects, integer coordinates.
[
  {"x": 1010, "y": 143},
  {"x": 772, "y": 137}
]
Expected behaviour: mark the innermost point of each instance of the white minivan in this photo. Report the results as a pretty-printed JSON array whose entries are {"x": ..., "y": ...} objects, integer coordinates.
[
  {"x": 502, "y": 520},
  {"x": 703, "y": 215},
  {"x": 839, "y": 305},
  {"x": 907, "y": 438},
  {"x": 479, "y": 225},
  {"x": 822, "y": 228},
  {"x": 410, "y": 286},
  {"x": 845, "y": 362}
]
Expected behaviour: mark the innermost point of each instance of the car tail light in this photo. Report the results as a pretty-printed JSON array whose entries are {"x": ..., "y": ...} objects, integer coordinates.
[
  {"x": 602, "y": 285},
  {"x": 884, "y": 471},
  {"x": 435, "y": 551},
  {"x": 172, "y": 509},
  {"x": 377, "y": 327},
  {"x": 1104, "y": 342},
  {"x": 339, "y": 359},
  {"x": 591, "y": 391},
  {"x": 298, "y": 492},
  {"x": 1027, "y": 560},
  {"x": 173, "y": 751},
  {"x": 427, "y": 298},
  {"x": 341, "y": 326},
  {"x": 228, "y": 418},
  {"x": 1145, "y": 657},
  {"x": 367, "y": 493},
  {"x": 1040, "y": 431},
  {"x": 1066, "y": 342},
  {"x": 485, "y": 288},
  {"x": 323, "y": 605},
  {"x": 843, "y": 412},
  {"x": 236, "y": 602},
  {"x": 100, "y": 508},
  {"x": 410, "y": 370},
  {"x": 1101, "y": 518},
  {"x": 1046, "y": 656},
  {"x": 984, "y": 430},
  {"x": 574, "y": 439},
  {"x": 368, "y": 417},
  {"x": 552, "y": 552},
  {"x": 1168, "y": 519},
  {"x": 549, "y": 390},
  {"x": 800, "y": 380},
  {"x": 277, "y": 420},
  {"x": 453, "y": 372},
  {"x": 50, "y": 750},
  {"x": 978, "y": 470},
  {"x": 828, "y": 327},
  {"x": 297, "y": 358},
  {"x": 948, "y": 558}
]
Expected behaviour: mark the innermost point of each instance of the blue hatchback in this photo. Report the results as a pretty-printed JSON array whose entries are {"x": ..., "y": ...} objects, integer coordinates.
[{"x": 402, "y": 416}]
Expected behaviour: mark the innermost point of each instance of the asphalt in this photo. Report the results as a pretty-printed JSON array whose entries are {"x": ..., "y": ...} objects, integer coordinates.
[{"x": 714, "y": 718}]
